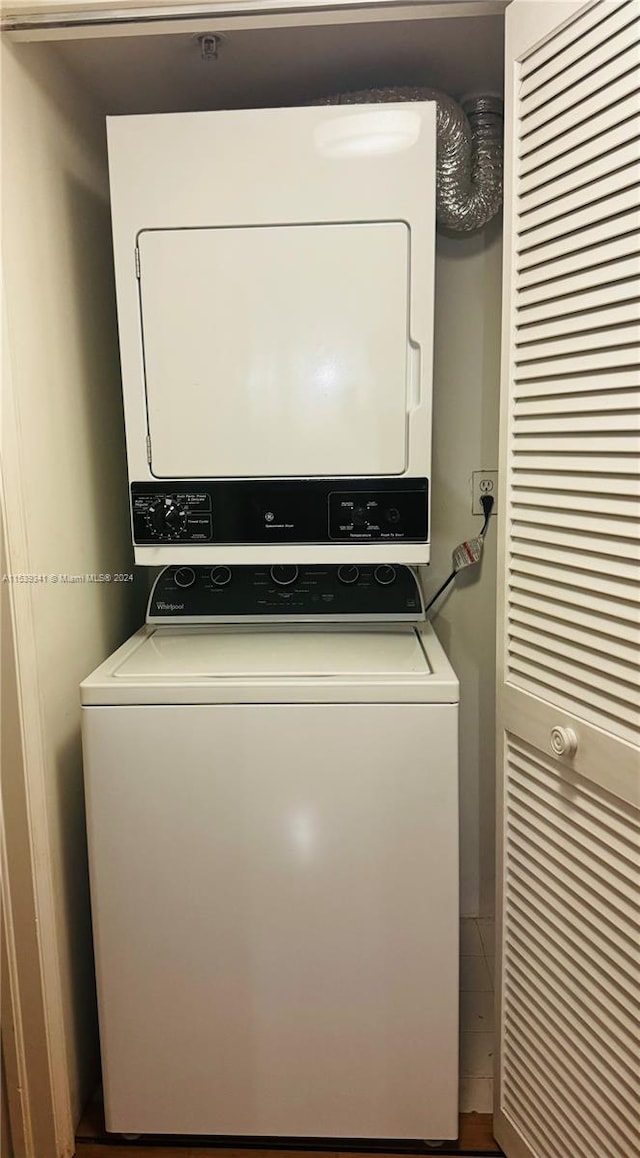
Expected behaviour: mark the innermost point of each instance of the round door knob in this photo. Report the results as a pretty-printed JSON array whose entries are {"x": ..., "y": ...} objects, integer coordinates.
[
  {"x": 184, "y": 577},
  {"x": 283, "y": 576},
  {"x": 220, "y": 576},
  {"x": 564, "y": 741},
  {"x": 348, "y": 574},
  {"x": 384, "y": 575}
]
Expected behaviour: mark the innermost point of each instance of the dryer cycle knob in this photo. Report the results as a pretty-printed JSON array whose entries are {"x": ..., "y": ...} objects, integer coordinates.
[
  {"x": 384, "y": 575},
  {"x": 283, "y": 576},
  {"x": 167, "y": 517},
  {"x": 220, "y": 576}
]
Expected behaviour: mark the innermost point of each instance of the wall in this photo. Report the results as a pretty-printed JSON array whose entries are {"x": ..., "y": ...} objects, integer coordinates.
[
  {"x": 465, "y": 438},
  {"x": 66, "y": 489}
]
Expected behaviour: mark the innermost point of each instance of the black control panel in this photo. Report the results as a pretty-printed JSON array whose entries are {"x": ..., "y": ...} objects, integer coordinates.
[
  {"x": 285, "y": 591},
  {"x": 230, "y": 512}
]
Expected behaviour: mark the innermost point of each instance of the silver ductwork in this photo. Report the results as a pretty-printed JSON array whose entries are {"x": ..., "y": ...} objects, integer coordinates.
[{"x": 469, "y": 151}]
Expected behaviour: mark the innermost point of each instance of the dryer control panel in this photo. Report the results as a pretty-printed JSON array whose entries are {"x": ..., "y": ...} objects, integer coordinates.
[
  {"x": 272, "y": 511},
  {"x": 285, "y": 592}
]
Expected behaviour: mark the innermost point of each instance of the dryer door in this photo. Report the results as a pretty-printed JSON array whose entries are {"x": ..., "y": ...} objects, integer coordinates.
[{"x": 276, "y": 350}]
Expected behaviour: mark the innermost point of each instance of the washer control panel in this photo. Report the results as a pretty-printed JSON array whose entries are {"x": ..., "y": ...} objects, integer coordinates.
[
  {"x": 285, "y": 592},
  {"x": 272, "y": 511}
]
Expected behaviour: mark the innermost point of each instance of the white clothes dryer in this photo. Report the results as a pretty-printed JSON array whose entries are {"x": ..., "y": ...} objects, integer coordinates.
[{"x": 273, "y": 839}]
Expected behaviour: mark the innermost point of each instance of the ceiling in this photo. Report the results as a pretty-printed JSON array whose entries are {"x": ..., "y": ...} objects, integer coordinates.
[{"x": 280, "y": 66}]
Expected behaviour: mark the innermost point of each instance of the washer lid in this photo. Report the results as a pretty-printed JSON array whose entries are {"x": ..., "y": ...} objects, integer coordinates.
[
  {"x": 397, "y": 663},
  {"x": 179, "y": 654}
]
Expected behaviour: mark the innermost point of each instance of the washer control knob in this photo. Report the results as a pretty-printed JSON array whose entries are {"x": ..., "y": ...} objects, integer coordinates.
[
  {"x": 220, "y": 576},
  {"x": 184, "y": 576},
  {"x": 283, "y": 575},
  {"x": 384, "y": 575},
  {"x": 348, "y": 574},
  {"x": 564, "y": 741}
]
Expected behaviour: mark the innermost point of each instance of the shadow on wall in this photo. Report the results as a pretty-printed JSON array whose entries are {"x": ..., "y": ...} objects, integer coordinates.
[{"x": 465, "y": 438}]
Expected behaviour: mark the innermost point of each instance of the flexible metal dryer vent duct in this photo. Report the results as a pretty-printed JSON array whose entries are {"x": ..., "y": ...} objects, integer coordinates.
[{"x": 469, "y": 157}]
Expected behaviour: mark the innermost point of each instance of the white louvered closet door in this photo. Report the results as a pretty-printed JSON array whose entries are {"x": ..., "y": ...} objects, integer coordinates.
[{"x": 568, "y": 1074}]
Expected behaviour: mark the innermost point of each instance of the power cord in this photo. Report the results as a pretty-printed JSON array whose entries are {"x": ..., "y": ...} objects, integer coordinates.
[
  {"x": 486, "y": 502},
  {"x": 467, "y": 553}
]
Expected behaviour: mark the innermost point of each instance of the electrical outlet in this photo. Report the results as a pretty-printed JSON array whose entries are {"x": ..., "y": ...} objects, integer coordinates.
[{"x": 484, "y": 482}]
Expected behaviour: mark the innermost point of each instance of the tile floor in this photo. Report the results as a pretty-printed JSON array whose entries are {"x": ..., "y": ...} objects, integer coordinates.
[{"x": 476, "y": 1014}]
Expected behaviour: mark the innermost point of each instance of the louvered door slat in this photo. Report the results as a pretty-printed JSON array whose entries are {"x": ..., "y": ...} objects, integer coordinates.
[
  {"x": 566, "y": 188},
  {"x": 568, "y": 39},
  {"x": 589, "y": 463},
  {"x": 531, "y": 965},
  {"x": 623, "y": 228},
  {"x": 613, "y": 400},
  {"x": 564, "y": 1094},
  {"x": 581, "y": 217},
  {"x": 539, "y": 561},
  {"x": 577, "y": 648},
  {"x": 584, "y": 363},
  {"x": 570, "y": 1027},
  {"x": 531, "y": 345},
  {"x": 544, "y": 501},
  {"x": 587, "y": 443},
  {"x": 564, "y": 911},
  {"x": 547, "y": 820},
  {"x": 617, "y": 60},
  {"x": 577, "y": 694},
  {"x": 576, "y": 55},
  {"x": 599, "y": 322},
  {"x": 587, "y": 485},
  {"x": 571, "y": 74},
  {"x": 578, "y": 591},
  {"x": 552, "y": 136},
  {"x": 559, "y": 283},
  {"x": 546, "y": 1041},
  {"x": 532, "y": 548},
  {"x": 549, "y": 613},
  {"x": 604, "y": 150},
  {"x": 561, "y": 152},
  {"x": 566, "y": 196},
  {"x": 588, "y": 554},
  {"x": 602, "y": 960},
  {"x": 541, "y": 267},
  {"x": 604, "y": 421},
  {"x": 579, "y": 305},
  {"x": 603, "y": 382}
]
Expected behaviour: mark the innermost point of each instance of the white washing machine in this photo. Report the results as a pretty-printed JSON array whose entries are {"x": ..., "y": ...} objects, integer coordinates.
[{"x": 273, "y": 838}]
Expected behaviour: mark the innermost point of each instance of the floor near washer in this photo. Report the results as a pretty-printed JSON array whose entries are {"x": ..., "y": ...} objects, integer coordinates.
[
  {"x": 476, "y": 1014},
  {"x": 475, "y": 1139}
]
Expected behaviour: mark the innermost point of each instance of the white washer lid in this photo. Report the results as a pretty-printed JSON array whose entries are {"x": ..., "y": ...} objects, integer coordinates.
[
  {"x": 179, "y": 655},
  {"x": 397, "y": 663}
]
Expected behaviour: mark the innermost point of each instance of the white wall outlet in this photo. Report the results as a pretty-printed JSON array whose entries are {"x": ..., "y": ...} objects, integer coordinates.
[{"x": 484, "y": 482}]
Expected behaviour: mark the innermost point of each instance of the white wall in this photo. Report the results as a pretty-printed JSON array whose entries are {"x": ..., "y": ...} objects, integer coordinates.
[
  {"x": 66, "y": 493},
  {"x": 465, "y": 438}
]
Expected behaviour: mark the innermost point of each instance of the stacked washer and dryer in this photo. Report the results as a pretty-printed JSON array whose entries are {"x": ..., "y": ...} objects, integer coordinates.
[{"x": 271, "y": 761}]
